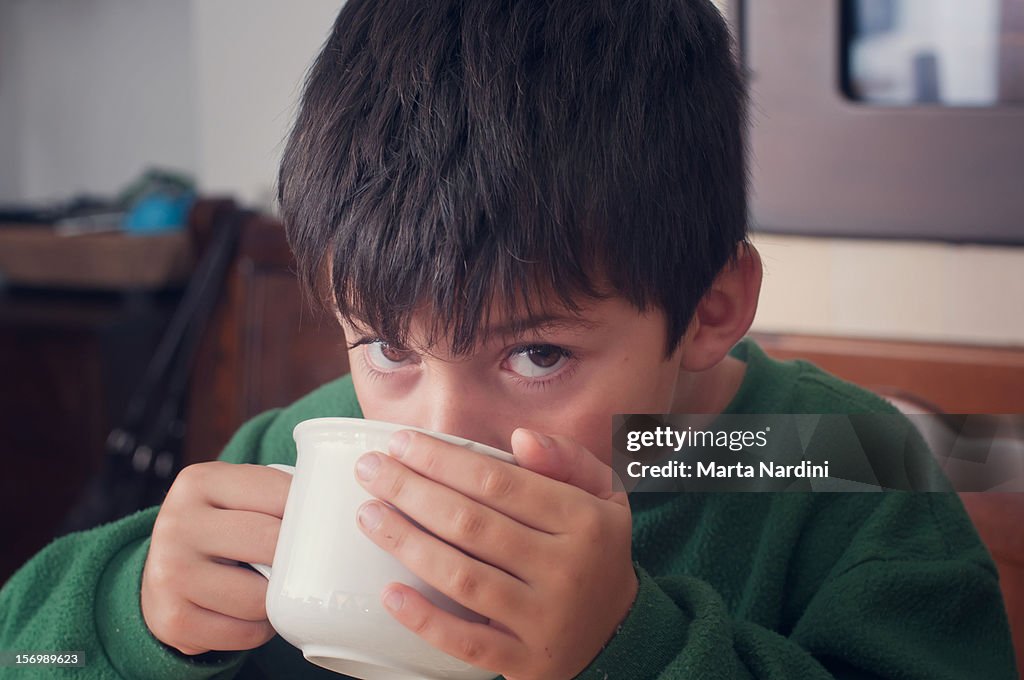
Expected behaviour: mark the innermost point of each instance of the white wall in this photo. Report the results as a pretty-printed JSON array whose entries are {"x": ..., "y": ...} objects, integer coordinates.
[
  {"x": 10, "y": 115},
  {"x": 253, "y": 57},
  {"x": 900, "y": 290},
  {"x": 94, "y": 91}
]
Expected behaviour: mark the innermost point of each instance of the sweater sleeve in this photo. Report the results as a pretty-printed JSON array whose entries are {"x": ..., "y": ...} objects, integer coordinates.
[
  {"x": 881, "y": 617},
  {"x": 81, "y": 593}
]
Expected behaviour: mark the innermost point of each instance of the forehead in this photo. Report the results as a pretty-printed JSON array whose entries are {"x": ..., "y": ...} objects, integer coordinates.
[{"x": 501, "y": 322}]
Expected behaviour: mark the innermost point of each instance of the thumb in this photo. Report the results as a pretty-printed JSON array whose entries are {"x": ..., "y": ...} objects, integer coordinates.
[{"x": 563, "y": 459}]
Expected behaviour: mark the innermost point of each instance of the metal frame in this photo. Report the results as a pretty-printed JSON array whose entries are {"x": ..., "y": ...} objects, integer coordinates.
[{"x": 825, "y": 165}]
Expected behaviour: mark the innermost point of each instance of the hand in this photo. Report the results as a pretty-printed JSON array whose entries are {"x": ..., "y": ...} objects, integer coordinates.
[
  {"x": 548, "y": 563},
  {"x": 194, "y": 597},
  {"x": 560, "y": 458}
]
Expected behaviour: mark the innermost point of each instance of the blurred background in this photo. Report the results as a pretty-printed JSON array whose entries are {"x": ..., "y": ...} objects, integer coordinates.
[
  {"x": 147, "y": 304},
  {"x": 133, "y": 134}
]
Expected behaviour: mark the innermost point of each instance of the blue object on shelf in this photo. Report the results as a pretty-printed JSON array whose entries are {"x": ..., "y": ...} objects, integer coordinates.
[{"x": 158, "y": 212}]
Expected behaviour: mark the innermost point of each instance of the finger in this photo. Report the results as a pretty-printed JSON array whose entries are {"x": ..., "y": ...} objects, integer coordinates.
[
  {"x": 523, "y": 495},
  {"x": 479, "y": 644},
  {"x": 473, "y": 527},
  {"x": 475, "y": 585},
  {"x": 230, "y": 486},
  {"x": 234, "y": 534},
  {"x": 202, "y": 629},
  {"x": 563, "y": 459},
  {"x": 232, "y": 591},
  {"x": 226, "y": 633}
]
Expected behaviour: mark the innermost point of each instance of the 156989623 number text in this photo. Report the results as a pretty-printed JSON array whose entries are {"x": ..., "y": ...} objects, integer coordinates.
[{"x": 41, "y": 658}]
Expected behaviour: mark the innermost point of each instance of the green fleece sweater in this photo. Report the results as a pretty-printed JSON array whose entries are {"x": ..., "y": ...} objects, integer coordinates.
[{"x": 733, "y": 585}]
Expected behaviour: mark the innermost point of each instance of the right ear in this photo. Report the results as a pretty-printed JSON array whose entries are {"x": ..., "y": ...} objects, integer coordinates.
[{"x": 725, "y": 313}]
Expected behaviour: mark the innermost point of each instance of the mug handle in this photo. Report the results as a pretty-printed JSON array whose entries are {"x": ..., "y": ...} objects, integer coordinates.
[{"x": 265, "y": 568}]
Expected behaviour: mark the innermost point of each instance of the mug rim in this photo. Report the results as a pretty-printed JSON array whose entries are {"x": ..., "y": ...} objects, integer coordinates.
[{"x": 327, "y": 423}]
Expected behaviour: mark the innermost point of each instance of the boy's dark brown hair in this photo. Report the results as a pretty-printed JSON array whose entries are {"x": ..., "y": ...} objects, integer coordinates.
[{"x": 452, "y": 154}]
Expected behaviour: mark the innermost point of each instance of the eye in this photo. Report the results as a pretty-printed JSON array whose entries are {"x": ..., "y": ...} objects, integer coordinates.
[
  {"x": 384, "y": 357},
  {"x": 538, "y": 361}
]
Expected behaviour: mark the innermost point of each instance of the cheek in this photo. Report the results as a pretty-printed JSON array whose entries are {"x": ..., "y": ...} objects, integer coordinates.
[
  {"x": 374, "y": 404},
  {"x": 587, "y": 419},
  {"x": 636, "y": 385},
  {"x": 596, "y": 437},
  {"x": 633, "y": 389}
]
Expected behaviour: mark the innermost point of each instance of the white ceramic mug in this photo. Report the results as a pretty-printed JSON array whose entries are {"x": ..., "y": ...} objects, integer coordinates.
[{"x": 327, "y": 577}]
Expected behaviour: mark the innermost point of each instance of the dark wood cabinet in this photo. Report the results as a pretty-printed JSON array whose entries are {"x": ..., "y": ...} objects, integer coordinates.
[
  {"x": 68, "y": 363},
  {"x": 266, "y": 346}
]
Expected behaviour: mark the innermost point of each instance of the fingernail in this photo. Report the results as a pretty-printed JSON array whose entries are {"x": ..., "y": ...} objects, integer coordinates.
[
  {"x": 370, "y": 516},
  {"x": 542, "y": 439},
  {"x": 394, "y": 600},
  {"x": 398, "y": 443},
  {"x": 366, "y": 466}
]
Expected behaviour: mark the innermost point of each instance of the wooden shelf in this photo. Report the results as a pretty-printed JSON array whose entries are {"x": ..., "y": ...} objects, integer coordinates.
[{"x": 37, "y": 256}]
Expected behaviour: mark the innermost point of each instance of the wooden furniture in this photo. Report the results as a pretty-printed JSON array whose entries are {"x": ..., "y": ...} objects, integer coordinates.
[
  {"x": 69, "y": 361},
  {"x": 955, "y": 378},
  {"x": 39, "y": 256},
  {"x": 265, "y": 346}
]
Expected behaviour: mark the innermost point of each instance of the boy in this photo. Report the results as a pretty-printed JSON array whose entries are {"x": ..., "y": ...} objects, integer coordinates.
[{"x": 529, "y": 216}]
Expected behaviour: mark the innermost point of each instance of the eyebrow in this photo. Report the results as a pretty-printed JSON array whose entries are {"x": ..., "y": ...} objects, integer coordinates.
[
  {"x": 548, "y": 322},
  {"x": 518, "y": 327}
]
